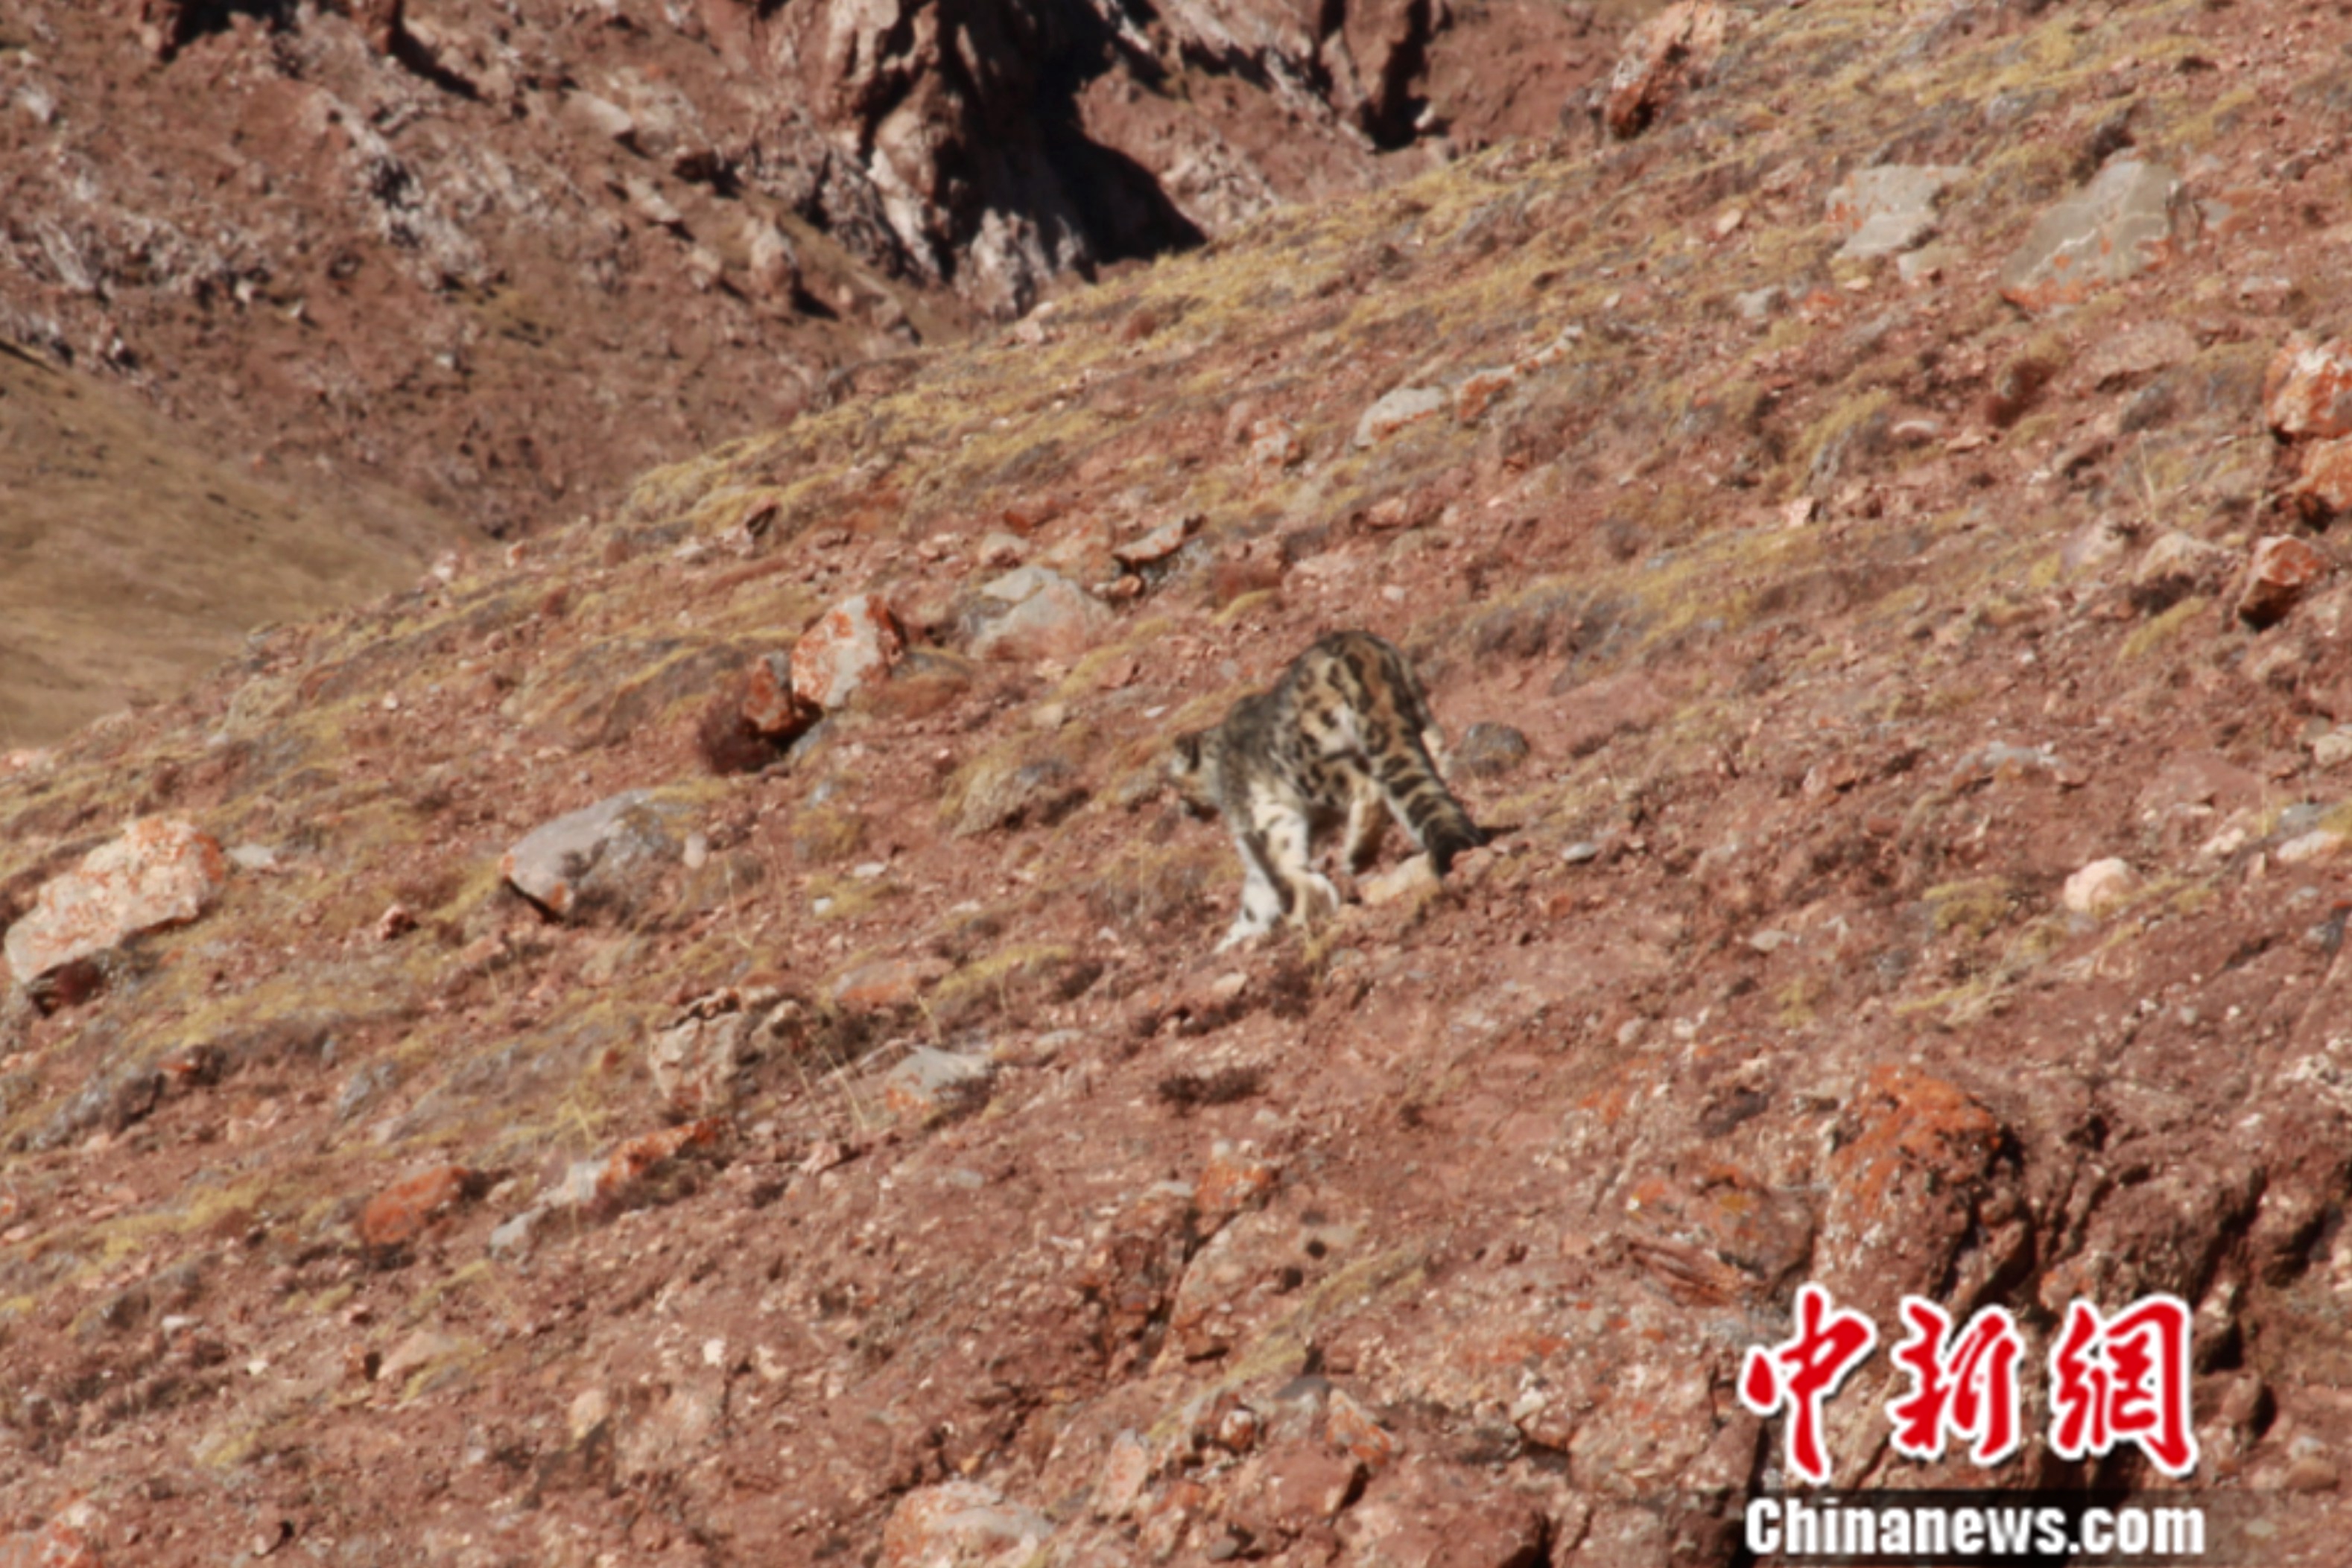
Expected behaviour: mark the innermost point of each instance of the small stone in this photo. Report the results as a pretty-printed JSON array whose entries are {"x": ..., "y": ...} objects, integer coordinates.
[
  {"x": 1480, "y": 391},
  {"x": 396, "y": 920},
  {"x": 1759, "y": 305},
  {"x": 2282, "y": 568},
  {"x": 160, "y": 871},
  {"x": 1398, "y": 408},
  {"x": 1158, "y": 544},
  {"x": 2332, "y": 749},
  {"x": 1488, "y": 750},
  {"x": 2175, "y": 566},
  {"x": 1584, "y": 852},
  {"x": 774, "y": 265},
  {"x": 2099, "y": 886},
  {"x": 1275, "y": 445},
  {"x": 1409, "y": 878},
  {"x": 602, "y": 115},
  {"x": 2319, "y": 844},
  {"x": 855, "y": 641},
  {"x": 412, "y": 1356},
  {"x": 2307, "y": 390},
  {"x": 512, "y": 1238},
  {"x": 886, "y": 984},
  {"x": 407, "y": 1209},
  {"x": 932, "y": 1084},
  {"x": 2115, "y": 228},
  {"x": 1126, "y": 1470},
  {"x": 1354, "y": 1431},
  {"x": 1234, "y": 1178}
]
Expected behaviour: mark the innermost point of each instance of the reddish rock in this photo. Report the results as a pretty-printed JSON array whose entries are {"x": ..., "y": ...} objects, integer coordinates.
[
  {"x": 2322, "y": 491},
  {"x": 1914, "y": 1180},
  {"x": 1480, "y": 391},
  {"x": 407, "y": 1209},
  {"x": 1447, "y": 1516},
  {"x": 1289, "y": 1488},
  {"x": 1233, "y": 1178},
  {"x": 64, "y": 1541},
  {"x": 2283, "y": 570},
  {"x": 887, "y": 983},
  {"x": 1357, "y": 1433},
  {"x": 159, "y": 873},
  {"x": 641, "y": 1156},
  {"x": 2307, "y": 390},
  {"x": 1666, "y": 56},
  {"x": 853, "y": 643},
  {"x": 773, "y": 706}
]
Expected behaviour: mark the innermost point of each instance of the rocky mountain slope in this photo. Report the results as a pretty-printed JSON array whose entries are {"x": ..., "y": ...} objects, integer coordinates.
[
  {"x": 509, "y": 255},
  {"x": 697, "y": 1041},
  {"x": 414, "y": 270}
]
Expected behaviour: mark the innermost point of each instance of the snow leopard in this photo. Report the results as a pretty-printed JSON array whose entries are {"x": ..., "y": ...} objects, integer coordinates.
[{"x": 1343, "y": 740}]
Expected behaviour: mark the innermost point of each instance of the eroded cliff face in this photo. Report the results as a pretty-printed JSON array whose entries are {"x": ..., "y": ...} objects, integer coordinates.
[{"x": 448, "y": 246}]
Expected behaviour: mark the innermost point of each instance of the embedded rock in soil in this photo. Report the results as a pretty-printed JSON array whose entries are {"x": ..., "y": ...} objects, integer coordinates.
[
  {"x": 2115, "y": 228},
  {"x": 2322, "y": 491},
  {"x": 2100, "y": 887},
  {"x": 855, "y": 641},
  {"x": 1488, "y": 750},
  {"x": 611, "y": 855},
  {"x": 695, "y": 1060},
  {"x": 1398, "y": 408},
  {"x": 1035, "y": 612},
  {"x": 931, "y": 1083},
  {"x": 1888, "y": 209},
  {"x": 773, "y": 708},
  {"x": 2307, "y": 390},
  {"x": 2283, "y": 570},
  {"x": 961, "y": 1524},
  {"x": 407, "y": 1209},
  {"x": 159, "y": 873},
  {"x": 2174, "y": 567}
]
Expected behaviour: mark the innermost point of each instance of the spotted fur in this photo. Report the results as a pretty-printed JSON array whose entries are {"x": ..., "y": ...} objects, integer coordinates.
[{"x": 1345, "y": 741}]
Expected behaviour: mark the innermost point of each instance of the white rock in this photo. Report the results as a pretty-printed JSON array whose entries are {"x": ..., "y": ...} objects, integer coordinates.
[{"x": 2100, "y": 887}]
